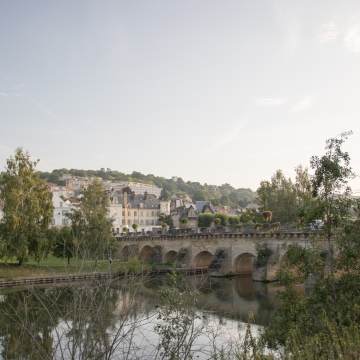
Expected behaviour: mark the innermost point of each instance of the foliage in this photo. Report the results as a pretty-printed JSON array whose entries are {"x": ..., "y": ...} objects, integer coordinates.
[
  {"x": 133, "y": 265},
  {"x": 90, "y": 225},
  {"x": 185, "y": 221},
  {"x": 177, "y": 314},
  {"x": 233, "y": 220},
  {"x": 223, "y": 218},
  {"x": 27, "y": 210},
  {"x": 64, "y": 247},
  {"x": 267, "y": 215},
  {"x": 135, "y": 227},
  {"x": 263, "y": 254},
  {"x": 287, "y": 201},
  {"x": 163, "y": 218},
  {"x": 217, "y": 221},
  {"x": 334, "y": 262},
  {"x": 165, "y": 195},
  {"x": 200, "y": 195},
  {"x": 205, "y": 220}
]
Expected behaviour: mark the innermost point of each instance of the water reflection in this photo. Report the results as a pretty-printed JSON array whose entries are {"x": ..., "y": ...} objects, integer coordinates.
[{"x": 114, "y": 319}]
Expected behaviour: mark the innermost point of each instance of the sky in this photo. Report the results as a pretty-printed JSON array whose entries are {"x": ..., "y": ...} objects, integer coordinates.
[{"x": 210, "y": 91}]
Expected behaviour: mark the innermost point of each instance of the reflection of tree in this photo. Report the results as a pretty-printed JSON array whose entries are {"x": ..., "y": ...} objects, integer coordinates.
[{"x": 89, "y": 321}]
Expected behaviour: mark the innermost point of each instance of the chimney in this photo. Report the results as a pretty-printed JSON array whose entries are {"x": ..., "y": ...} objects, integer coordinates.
[
  {"x": 145, "y": 195},
  {"x": 133, "y": 195}
]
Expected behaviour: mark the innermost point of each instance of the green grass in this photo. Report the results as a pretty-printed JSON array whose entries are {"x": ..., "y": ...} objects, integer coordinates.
[{"x": 55, "y": 266}]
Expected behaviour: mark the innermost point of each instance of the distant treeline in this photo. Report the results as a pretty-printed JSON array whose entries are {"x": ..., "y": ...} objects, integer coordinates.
[{"x": 224, "y": 194}]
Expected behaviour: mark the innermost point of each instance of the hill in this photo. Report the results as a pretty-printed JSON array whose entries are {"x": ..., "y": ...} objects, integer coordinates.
[{"x": 224, "y": 194}]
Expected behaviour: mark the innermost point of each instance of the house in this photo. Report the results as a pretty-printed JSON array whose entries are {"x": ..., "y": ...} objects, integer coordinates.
[
  {"x": 61, "y": 208},
  {"x": 191, "y": 212},
  {"x": 60, "y": 190},
  {"x": 143, "y": 210}
]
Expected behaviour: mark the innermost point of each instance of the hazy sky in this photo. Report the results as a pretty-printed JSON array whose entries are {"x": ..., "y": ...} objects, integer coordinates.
[{"x": 211, "y": 91}]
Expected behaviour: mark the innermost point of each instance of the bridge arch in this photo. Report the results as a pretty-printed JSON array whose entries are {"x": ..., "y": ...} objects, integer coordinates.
[
  {"x": 170, "y": 257},
  {"x": 124, "y": 252},
  {"x": 145, "y": 252},
  {"x": 243, "y": 263},
  {"x": 202, "y": 259}
]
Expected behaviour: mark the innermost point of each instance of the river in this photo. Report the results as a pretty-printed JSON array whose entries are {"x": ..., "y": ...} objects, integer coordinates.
[{"x": 116, "y": 320}]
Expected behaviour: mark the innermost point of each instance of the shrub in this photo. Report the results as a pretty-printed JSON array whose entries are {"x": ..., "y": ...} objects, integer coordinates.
[
  {"x": 263, "y": 255},
  {"x": 133, "y": 265}
]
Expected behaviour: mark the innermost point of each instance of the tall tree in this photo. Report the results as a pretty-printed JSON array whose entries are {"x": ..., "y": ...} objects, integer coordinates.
[
  {"x": 335, "y": 262},
  {"x": 278, "y": 196},
  {"x": 91, "y": 227},
  {"x": 27, "y": 210}
]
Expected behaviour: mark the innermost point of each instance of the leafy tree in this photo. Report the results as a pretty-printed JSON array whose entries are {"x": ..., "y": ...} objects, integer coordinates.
[
  {"x": 233, "y": 220},
  {"x": 165, "y": 195},
  {"x": 91, "y": 227},
  {"x": 64, "y": 247},
  {"x": 185, "y": 221},
  {"x": 163, "y": 218},
  {"x": 278, "y": 196},
  {"x": 205, "y": 220},
  {"x": 135, "y": 227},
  {"x": 336, "y": 291},
  {"x": 200, "y": 196},
  {"x": 27, "y": 210},
  {"x": 223, "y": 218},
  {"x": 217, "y": 221}
]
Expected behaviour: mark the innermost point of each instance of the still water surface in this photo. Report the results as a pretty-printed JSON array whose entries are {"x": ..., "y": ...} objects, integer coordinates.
[{"x": 116, "y": 320}]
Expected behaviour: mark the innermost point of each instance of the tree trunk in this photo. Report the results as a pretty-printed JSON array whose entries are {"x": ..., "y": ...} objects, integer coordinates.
[{"x": 21, "y": 261}]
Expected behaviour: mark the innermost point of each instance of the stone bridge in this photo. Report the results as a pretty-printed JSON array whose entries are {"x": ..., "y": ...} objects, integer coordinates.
[{"x": 222, "y": 254}]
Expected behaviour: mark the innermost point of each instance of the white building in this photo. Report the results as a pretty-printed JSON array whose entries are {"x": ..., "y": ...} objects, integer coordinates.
[
  {"x": 115, "y": 212},
  {"x": 61, "y": 208},
  {"x": 61, "y": 190}
]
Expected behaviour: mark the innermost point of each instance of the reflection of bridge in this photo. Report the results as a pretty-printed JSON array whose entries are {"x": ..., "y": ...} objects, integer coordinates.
[{"x": 221, "y": 254}]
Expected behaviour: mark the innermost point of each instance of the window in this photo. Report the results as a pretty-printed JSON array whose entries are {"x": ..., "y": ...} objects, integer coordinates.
[
  {"x": 152, "y": 213},
  {"x": 123, "y": 213},
  {"x": 117, "y": 230},
  {"x": 61, "y": 204},
  {"x": 64, "y": 212},
  {"x": 128, "y": 213},
  {"x": 115, "y": 211},
  {"x": 129, "y": 222},
  {"x": 65, "y": 221},
  {"x": 141, "y": 222},
  {"x": 135, "y": 213},
  {"x": 147, "y": 213},
  {"x": 123, "y": 222},
  {"x": 52, "y": 221}
]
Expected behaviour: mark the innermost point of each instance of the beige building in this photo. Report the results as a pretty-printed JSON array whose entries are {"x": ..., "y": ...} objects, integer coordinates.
[{"x": 143, "y": 210}]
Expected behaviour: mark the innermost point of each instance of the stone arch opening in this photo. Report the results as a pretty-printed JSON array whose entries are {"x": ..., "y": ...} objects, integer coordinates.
[
  {"x": 170, "y": 257},
  {"x": 243, "y": 264},
  {"x": 202, "y": 260},
  {"x": 124, "y": 252},
  {"x": 145, "y": 252}
]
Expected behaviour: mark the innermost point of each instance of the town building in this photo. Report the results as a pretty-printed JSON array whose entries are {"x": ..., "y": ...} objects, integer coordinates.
[{"x": 61, "y": 208}]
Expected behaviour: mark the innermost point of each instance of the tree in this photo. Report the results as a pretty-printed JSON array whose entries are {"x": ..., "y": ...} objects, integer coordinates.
[
  {"x": 217, "y": 221},
  {"x": 27, "y": 210},
  {"x": 200, "y": 196},
  {"x": 165, "y": 195},
  {"x": 91, "y": 227},
  {"x": 278, "y": 196},
  {"x": 336, "y": 265},
  {"x": 64, "y": 247},
  {"x": 205, "y": 220},
  {"x": 135, "y": 227},
  {"x": 163, "y": 218},
  {"x": 223, "y": 218}
]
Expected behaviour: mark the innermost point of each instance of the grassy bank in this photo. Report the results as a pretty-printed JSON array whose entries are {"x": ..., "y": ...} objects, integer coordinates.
[{"x": 55, "y": 266}]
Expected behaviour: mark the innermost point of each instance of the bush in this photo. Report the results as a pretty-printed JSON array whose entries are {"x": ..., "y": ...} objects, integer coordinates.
[
  {"x": 133, "y": 265},
  {"x": 223, "y": 218}
]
